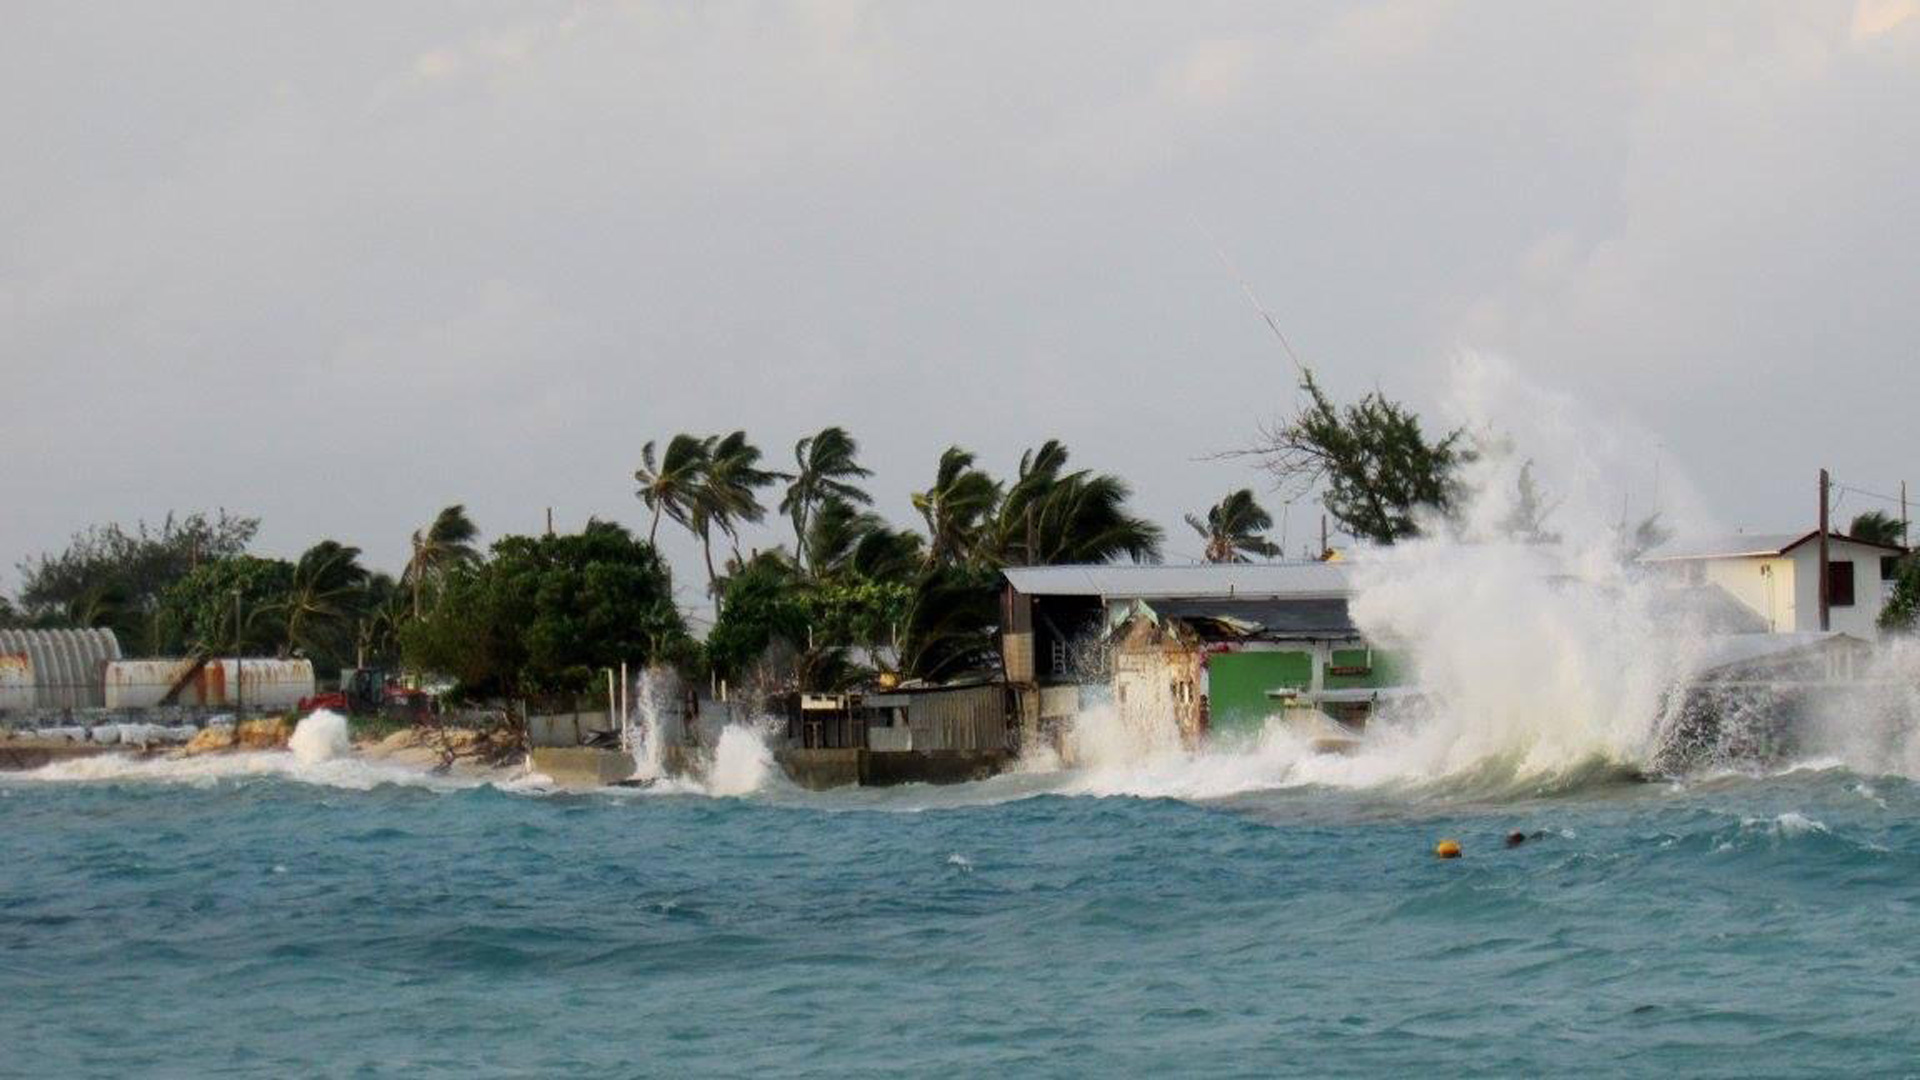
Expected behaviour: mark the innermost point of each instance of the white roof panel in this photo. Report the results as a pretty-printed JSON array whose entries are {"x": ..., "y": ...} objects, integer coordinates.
[{"x": 1250, "y": 581}]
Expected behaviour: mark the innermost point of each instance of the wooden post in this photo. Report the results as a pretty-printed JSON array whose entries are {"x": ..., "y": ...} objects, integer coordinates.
[{"x": 1826, "y": 583}]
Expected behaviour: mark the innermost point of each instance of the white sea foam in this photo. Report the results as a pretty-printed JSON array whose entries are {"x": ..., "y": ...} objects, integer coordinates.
[
  {"x": 206, "y": 770},
  {"x": 320, "y": 737}
]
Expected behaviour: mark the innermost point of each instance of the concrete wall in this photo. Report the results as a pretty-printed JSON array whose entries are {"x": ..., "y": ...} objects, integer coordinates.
[
  {"x": 1869, "y": 596},
  {"x": 821, "y": 769},
  {"x": 1767, "y": 586}
]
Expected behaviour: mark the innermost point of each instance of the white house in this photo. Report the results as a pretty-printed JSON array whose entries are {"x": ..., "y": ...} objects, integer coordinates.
[{"x": 1778, "y": 577}]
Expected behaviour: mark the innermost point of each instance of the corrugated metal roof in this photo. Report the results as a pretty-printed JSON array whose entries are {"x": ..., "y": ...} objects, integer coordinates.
[
  {"x": 1265, "y": 618},
  {"x": 1725, "y": 547},
  {"x": 1243, "y": 580},
  {"x": 1749, "y": 545}
]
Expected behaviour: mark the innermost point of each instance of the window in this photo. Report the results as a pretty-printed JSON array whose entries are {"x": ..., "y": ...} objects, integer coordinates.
[
  {"x": 1889, "y": 567},
  {"x": 1840, "y": 584}
]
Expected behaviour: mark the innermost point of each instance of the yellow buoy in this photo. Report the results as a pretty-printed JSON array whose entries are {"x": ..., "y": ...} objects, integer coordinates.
[{"x": 1447, "y": 849}]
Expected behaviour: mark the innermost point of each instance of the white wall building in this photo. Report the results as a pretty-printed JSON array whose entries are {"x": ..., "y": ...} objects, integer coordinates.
[{"x": 1778, "y": 577}]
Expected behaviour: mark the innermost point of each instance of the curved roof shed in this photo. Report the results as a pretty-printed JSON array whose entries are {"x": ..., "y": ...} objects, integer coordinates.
[{"x": 55, "y": 669}]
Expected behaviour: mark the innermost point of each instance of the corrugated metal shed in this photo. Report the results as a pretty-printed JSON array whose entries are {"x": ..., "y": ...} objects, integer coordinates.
[
  {"x": 264, "y": 684},
  {"x": 970, "y": 718},
  {"x": 1277, "y": 580},
  {"x": 67, "y": 667}
]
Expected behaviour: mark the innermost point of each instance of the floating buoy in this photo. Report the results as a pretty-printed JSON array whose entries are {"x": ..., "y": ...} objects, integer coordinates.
[{"x": 1447, "y": 849}]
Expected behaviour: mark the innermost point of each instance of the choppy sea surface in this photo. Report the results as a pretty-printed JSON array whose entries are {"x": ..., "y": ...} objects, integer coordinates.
[{"x": 350, "y": 920}]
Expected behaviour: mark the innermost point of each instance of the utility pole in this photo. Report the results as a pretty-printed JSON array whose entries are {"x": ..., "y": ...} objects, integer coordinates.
[
  {"x": 1324, "y": 550},
  {"x": 549, "y": 521},
  {"x": 1826, "y": 584},
  {"x": 1904, "y": 542},
  {"x": 239, "y": 680}
]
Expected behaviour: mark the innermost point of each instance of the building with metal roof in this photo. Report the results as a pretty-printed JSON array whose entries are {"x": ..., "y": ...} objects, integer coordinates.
[
  {"x": 1300, "y": 579},
  {"x": 1778, "y": 577},
  {"x": 55, "y": 669}
]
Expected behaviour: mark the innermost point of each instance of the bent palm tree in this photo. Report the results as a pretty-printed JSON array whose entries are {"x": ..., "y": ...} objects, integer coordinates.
[
  {"x": 672, "y": 484},
  {"x": 445, "y": 545},
  {"x": 727, "y": 494},
  {"x": 328, "y": 583},
  {"x": 1050, "y": 516},
  {"x": 827, "y": 470},
  {"x": 1233, "y": 529},
  {"x": 1877, "y": 527},
  {"x": 956, "y": 508}
]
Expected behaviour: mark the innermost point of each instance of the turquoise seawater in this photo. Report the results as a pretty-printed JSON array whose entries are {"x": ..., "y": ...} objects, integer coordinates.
[{"x": 153, "y": 924}]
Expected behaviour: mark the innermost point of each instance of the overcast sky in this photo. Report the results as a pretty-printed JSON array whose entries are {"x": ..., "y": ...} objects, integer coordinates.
[{"x": 338, "y": 265}]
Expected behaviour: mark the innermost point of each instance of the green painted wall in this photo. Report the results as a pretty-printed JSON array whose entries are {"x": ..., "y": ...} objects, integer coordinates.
[
  {"x": 1388, "y": 670},
  {"x": 1237, "y": 685}
]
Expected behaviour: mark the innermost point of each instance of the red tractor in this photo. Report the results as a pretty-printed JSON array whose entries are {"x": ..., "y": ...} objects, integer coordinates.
[{"x": 372, "y": 692}]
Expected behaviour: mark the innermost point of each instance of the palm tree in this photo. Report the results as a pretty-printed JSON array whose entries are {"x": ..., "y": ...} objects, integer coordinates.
[
  {"x": 445, "y": 545},
  {"x": 328, "y": 583},
  {"x": 1877, "y": 527},
  {"x": 727, "y": 494},
  {"x": 956, "y": 508},
  {"x": 672, "y": 484},
  {"x": 1050, "y": 517},
  {"x": 827, "y": 469},
  {"x": 383, "y": 609},
  {"x": 1233, "y": 529},
  {"x": 844, "y": 541}
]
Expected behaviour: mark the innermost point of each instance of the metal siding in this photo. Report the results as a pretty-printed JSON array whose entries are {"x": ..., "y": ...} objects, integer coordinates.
[
  {"x": 16, "y": 682},
  {"x": 265, "y": 684},
  {"x": 1246, "y": 580},
  {"x": 971, "y": 719},
  {"x": 66, "y": 665}
]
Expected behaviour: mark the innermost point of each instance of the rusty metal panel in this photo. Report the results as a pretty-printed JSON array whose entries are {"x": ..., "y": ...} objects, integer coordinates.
[
  {"x": 66, "y": 665},
  {"x": 16, "y": 681},
  {"x": 262, "y": 684}
]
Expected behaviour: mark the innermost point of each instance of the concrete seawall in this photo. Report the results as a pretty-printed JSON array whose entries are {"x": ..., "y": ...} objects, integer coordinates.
[{"x": 821, "y": 769}]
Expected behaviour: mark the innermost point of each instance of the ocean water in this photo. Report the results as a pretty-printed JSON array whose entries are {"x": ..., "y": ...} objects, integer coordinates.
[{"x": 282, "y": 915}]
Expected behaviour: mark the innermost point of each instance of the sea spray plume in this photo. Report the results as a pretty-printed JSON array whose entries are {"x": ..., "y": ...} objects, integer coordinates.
[
  {"x": 320, "y": 737},
  {"x": 1536, "y": 661},
  {"x": 1872, "y": 725}
]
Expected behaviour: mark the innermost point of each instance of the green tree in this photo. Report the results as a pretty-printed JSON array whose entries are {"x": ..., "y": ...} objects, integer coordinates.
[
  {"x": 672, "y": 485},
  {"x": 728, "y": 495},
  {"x": 546, "y": 613},
  {"x": 957, "y": 508},
  {"x": 115, "y": 577},
  {"x": 848, "y": 542},
  {"x": 1378, "y": 466},
  {"x": 1901, "y": 615},
  {"x": 826, "y": 469},
  {"x": 1234, "y": 528},
  {"x": 949, "y": 625},
  {"x": 446, "y": 545},
  {"x": 1050, "y": 516},
  {"x": 384, "y": 608},
  {"x": 324, "y": 602},
  {"x": 200, "y": 613},
  {"x": 1878, "y": 527}
]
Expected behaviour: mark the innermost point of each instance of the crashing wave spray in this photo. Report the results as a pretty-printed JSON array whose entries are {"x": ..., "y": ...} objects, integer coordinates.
[
  {"x": 320, "y": 737},
  {"x": 1537, "y": 662},
  {"x": 644, "y": 731}
]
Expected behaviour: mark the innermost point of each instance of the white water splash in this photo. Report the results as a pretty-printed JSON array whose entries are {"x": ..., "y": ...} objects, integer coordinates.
[
  {"x": 742, "y": 762},
  {"x": 320, "y": 737}
]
